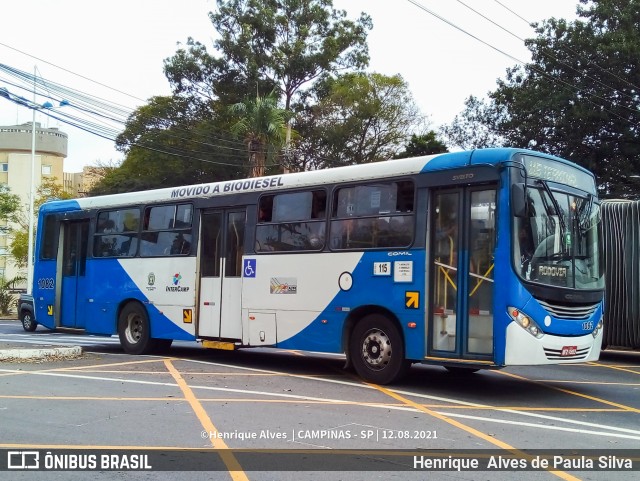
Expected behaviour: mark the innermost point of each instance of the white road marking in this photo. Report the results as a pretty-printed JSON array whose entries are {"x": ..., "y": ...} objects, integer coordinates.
[
  {"x": 541, "y": 426},
  {"x": 632, "y": 434}
]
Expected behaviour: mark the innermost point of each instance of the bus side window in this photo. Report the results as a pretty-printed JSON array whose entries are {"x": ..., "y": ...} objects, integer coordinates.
[
  {"x": 292, "y": 221},
  {"x": 49, "y": 239},
  {"x": 166, "y": 230},
  {"x": 373, "y": 216},
  {"x": 265, "y": 209},
  {"x": 116, "y": 233}
]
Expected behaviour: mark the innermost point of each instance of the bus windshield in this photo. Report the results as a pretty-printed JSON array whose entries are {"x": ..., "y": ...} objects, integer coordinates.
[{"x": 556, "y": 243}]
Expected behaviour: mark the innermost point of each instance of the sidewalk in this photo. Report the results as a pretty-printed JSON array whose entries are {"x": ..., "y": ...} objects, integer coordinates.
[{"x": 17, "y": 352}]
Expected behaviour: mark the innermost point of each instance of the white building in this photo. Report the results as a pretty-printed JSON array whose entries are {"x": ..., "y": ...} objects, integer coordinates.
[{"x": 15, "y": 171}]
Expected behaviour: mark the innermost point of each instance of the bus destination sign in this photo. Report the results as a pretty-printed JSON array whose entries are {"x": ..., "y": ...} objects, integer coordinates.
[{"x": 554, "y": 171}]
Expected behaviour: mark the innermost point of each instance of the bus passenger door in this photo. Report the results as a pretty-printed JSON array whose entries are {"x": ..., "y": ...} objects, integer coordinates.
[
  {"x": 462, "y": 243},
  {"x": 73, "y": 295},
  {"x": 220, "y": 294}
]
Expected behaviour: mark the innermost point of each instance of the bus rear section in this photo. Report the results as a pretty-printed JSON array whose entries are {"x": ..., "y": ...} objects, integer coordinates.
[
  {"x": 117, "y": 269},
  {"x": 621, "y": 248}
]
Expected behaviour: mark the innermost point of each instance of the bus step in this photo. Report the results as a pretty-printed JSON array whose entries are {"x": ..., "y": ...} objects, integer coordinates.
[{"x": 227, "y": 346}]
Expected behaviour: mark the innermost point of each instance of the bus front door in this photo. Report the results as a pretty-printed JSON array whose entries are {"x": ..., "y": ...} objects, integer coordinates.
[
  {"x": 221, "y": 249},
  {"x": 73, "y": 296},
  {"x": 462, "y": 226}
]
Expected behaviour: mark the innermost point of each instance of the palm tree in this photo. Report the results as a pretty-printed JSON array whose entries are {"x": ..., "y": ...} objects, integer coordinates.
[
  {"x": 263, "y": 125},
  {"x": 7, "y": 293}
]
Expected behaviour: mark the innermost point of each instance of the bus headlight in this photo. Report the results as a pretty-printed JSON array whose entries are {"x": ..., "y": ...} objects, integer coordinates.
[
  {"x": 596, "y": 331},
  {"x": 525, "y": 322}
]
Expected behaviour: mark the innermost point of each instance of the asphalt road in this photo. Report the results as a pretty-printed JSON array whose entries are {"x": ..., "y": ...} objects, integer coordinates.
[{"x": 194, "y": 399}]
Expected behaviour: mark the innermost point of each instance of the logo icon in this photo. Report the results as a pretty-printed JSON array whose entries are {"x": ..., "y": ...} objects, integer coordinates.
[
  {"x": 176, "y": 287},
  {"x": 151, "y": 278},
  {"x": 284, "y": 285},
  {"x": 23, "y": 460},
  {"x": 249, "y": 267}
]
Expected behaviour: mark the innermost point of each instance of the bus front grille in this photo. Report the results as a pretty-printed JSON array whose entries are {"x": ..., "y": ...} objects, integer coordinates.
[
  {"x": 569, "y": 312},
  {"x": 563, "y": 355}
]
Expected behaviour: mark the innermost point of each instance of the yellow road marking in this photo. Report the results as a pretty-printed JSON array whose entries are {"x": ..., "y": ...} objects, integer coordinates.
[
  {"x": 200, "y": 373},
  {"x": 97, "y": 446},
  {"x": 76, "y": 368},
  {"x": 230, "y": 461},
  {"x": 597, "y": 383},
  {"x": 331, "y": 402},
  {"x": 110, "y": 364},
  {"x": 468, "y": 429},
  {"x": 617, "y": 368},
  {"x": 574, "y": 393}
]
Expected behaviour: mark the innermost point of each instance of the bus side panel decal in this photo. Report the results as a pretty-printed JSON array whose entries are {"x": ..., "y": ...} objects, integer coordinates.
[
  {"x": 156, "y": 283},
  {"x": 168, "y": 284},
  {"x": 324, "y": 333}
]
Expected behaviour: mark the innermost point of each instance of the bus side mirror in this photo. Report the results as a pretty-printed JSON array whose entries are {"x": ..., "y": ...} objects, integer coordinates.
[{"x": 518, "y": 202}]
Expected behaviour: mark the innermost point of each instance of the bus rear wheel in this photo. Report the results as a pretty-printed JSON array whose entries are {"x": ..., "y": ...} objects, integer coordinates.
[
  {"x": 377, "y": 351},
  {"x": 134, "y": 330}
]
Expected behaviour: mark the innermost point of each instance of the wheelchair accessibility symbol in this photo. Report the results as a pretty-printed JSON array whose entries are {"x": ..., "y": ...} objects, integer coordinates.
[{"x": 249, "y": 268}]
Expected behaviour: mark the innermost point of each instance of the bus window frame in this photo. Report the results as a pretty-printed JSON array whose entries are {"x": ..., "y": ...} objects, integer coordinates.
[
  {"x": 184, "y": 233},
  {"x": 319, "y": 220},
  {"x": 333, "y": 218},
  {"x": 54, "y": 233}
]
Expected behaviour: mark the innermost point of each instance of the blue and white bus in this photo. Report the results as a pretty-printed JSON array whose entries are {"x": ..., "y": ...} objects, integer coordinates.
[{"x": 478, "y": 259}]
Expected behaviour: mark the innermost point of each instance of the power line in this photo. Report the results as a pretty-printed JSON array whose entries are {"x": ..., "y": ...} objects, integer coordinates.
[
  {"x": 86, "y": 104},
  {"x": 514, "y": 13},
  {"x": 548, "y": 55},
  {"x": 521, "y": 62},
  {"x": 69, "y": 71},
  {"x": 570, "y": 50}
]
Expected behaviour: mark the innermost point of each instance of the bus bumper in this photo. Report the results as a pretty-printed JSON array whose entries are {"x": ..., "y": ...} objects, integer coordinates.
[{"x": 523, "y": 349}]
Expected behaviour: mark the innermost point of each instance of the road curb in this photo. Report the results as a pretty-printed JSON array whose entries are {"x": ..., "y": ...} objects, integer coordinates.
[{"x": 49, "y": 352}]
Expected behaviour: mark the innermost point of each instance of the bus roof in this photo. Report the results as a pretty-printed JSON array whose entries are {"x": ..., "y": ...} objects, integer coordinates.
[{"x": 351, "y": 173}]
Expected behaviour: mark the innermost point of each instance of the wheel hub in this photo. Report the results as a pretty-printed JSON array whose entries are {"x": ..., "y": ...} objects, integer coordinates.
[
  {"x": 134, "y": 329},
  {"x": 376, "y": 349}
]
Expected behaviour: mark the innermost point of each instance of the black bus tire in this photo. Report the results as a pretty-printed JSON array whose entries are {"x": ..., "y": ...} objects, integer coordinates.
[
  {"x": 28, "y": 322},
  {"x": 377, "y": 350},
  {"x": 134, "y": 330}
]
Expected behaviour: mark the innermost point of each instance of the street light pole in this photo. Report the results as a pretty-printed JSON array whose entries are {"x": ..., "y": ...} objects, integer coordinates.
[{"x": 32, "y": 192}]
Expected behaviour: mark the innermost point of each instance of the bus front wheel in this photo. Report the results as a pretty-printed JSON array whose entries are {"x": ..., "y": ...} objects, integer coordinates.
[
  {"x": 377, "y": 350},
  {"x": 134, "y": 330},
  {"x": 28, "y": 322}
]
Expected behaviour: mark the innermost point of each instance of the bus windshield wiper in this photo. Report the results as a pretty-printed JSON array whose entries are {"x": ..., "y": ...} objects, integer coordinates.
[
  {"x": 556, "y": 206},
  {"x": 585, "y": 213}
]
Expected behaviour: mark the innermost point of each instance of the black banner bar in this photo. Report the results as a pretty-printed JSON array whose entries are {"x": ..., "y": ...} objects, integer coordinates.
[{"x": 21, "y": 459}]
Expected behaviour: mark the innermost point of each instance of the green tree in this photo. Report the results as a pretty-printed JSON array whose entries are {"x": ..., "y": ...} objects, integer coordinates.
[
  {"x": 8, "y": 297},
  {"x": 478, "y": 126},
  {"x": 578, "y": 98},
  {"x": 425, "y": 144},
  {"x": 263, "y": 126},
  {"x": 9, "y": 205},
  {"x": 263, "y": 45},
  {"x": 171, "y": 141},
  {"x": 288, "y": 42},
  {"x": 356, "y": 118}
]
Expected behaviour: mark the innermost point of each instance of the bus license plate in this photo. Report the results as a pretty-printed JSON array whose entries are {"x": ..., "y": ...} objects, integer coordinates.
[{"x": 569, "y": 351}]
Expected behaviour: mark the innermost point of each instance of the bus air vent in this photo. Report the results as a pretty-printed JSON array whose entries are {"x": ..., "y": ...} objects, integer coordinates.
[
  {"x": 562, "y": 355},
  {"x": 569, "y": 312}
]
